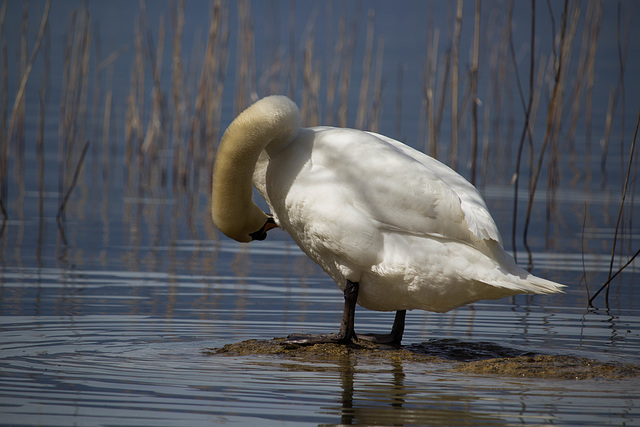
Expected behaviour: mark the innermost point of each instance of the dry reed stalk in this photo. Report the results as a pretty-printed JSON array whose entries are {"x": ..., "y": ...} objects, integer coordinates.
[
  {"x": 63, "y": 102},
  {"x": 134, "y": 132},
  {"x": 622, "y": 59},
  {"x": 106, "y": 65},
  {"x": 73, "y": 108},
  {"x": 177, "y": 73},
  {"x": 72, "y": 184},
  {"x": 585, "y": 215},
  {"x": 587, "y": 47},
  {"x": 4, "y": 145},
  {"x": 83, "y": 102},
  {"x": 43, "y": 93},
  {"x": 551, "y": 115},
  {"x": 527, "y": 130},
  {"x": 489, "y": 93},
  {"x": 613, "y": 103},
  {"x": 310, "y": 86},
  {"x": 429, "y": 90},
  {"x": 85, "y": 53},
  {"x": 501, "y": 90},
  {"x": 152, "y": 140},
  {"x": 590, "y": 76},
  {"x": 18, "y": 110},
  {"x": 604, "y": 142},
  {"x": 553, "y": 168},
  {"x": 620, "y": 90},
  {"x": 215, "y": 104},
  {"x": 330, "y": 58},
  {"x": 150, "y": 175},
  {"x": 399, "y": 98},
  {"x": 345, "y": 75},
  {"x": 96, "y": 97},
  {"x": 196, "y": 125},
  {"x": 109, "y": 60},
  {"x": 333, "y": 65},
  {"x": 268, "y": 82},
  {"x": 22, "y": 66},
  {"x": 292, "y": 50},
  {"x": 444, "y": 84},
  {"x": 374, "y": 121},
  {"x": 106, "y": 126},
  {"x": 206, "y": 116},
  {"x": 474, "y": 92},
  {"x": 18, "y": 104},
  {"x": 454, "y": 85},
  {"x": 366, "y": 69},
  {"x": 244, "y": 57},
  {"x": 545, "y": 68},
  {"x": 159, "y": 117},
  {"x": 311, "y": 77}
]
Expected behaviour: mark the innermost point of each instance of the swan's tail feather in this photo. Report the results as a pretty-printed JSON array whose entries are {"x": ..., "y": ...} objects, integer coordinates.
[
  {"x": 522, "y": 282},
  {"x": 510, "y": 275},
  {"x": 538, "y": 285}
]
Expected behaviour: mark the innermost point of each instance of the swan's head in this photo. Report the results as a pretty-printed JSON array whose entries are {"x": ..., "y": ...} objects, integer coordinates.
[{"x": 253, "y": 225}]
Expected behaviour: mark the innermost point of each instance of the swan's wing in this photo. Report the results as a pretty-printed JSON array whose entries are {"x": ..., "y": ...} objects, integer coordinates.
[
  {"x": 477, "y": 216},
  {"x": 397, "y": 188}
]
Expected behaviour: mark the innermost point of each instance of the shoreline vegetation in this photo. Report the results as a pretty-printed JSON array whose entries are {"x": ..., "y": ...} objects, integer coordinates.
[{"x": 474, "y": 95}]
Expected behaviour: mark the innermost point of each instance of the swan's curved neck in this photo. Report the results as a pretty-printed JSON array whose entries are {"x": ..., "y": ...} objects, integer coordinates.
[{"x": 272, "y": 121}]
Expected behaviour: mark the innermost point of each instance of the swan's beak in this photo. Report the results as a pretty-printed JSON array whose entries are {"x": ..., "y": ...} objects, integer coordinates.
[{"x": 262, "y": 233}]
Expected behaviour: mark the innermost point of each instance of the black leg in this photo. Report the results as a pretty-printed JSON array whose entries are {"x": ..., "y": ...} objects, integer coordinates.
[
  {"x": 395, "y": 337},
  {"x": 347, "y": 330}
]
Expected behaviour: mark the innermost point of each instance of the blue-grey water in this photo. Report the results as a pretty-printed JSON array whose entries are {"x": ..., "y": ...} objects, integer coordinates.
[{"x": 107, "y": 313}]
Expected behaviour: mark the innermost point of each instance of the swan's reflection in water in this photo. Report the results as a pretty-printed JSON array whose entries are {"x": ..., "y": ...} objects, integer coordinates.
[
  {"x": 383, "y": 394},
  {"x": 390, "y": 395}
]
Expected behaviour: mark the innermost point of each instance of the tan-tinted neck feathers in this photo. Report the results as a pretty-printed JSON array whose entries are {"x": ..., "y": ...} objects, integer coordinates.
[{"x": 272, "y": 121}]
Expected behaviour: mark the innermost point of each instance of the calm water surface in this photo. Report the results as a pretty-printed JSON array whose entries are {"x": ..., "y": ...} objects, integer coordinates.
[{"x": 107, "y": 319}]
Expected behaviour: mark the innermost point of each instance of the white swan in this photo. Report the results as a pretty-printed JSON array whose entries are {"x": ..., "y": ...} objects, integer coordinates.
[{"x": 394, "y": 228}]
